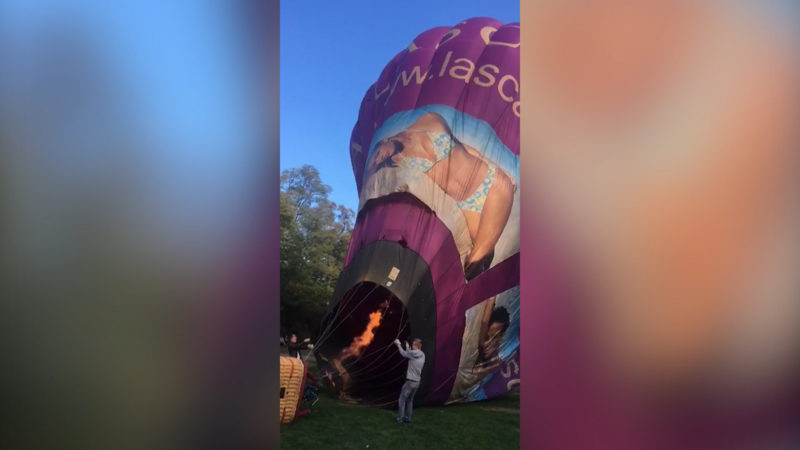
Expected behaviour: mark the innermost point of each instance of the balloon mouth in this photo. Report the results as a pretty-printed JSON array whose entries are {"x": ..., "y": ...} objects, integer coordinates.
[{"x": 371, "y": 373}]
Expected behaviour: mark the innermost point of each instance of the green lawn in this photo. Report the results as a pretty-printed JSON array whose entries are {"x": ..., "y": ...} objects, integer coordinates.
[{"x": 491, "y": 424}]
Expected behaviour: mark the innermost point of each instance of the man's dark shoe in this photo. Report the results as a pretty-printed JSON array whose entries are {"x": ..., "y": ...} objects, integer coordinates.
[{"x": 406, "y": 420}]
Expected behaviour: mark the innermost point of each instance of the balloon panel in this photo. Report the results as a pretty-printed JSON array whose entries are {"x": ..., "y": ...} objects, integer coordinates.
[
  {"x": 435, "y": 154},
  {"x": 489, "y": 362}
]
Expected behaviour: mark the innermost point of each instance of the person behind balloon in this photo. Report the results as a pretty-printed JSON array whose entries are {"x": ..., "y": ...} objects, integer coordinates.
[
  {"x": 295, "y": 347},
  {"x": 483, "y": 192},
  {"x": 347, "y": 381}
]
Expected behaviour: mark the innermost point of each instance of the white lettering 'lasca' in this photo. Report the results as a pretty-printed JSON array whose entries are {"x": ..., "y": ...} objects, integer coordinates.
[
  {"x": 490, "y": 78},
  {"x": 461, "y": 69},
  {"x": 510, "y": 368},
  {"x": 507, "y": 79}
]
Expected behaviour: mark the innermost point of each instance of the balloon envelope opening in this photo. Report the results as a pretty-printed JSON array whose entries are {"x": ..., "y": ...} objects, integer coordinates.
[{"x": 373, "y": 373}]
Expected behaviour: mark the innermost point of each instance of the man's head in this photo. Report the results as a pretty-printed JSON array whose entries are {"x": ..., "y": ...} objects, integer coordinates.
[
  {"x": 416, "y": 344},
  {"x": 293, "y": 338}
]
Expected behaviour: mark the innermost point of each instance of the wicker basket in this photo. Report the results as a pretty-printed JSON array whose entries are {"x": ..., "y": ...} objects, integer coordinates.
[{"x": 293, "y": 380}]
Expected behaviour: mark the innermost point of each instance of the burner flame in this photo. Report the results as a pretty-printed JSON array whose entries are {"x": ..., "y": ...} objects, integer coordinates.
[{"x": 362, "y": 341}]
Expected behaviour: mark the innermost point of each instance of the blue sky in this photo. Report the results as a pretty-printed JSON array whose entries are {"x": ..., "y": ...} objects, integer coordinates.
[
  {"x": 331, "y": 52},
  {"x": 179, "y": 71},
  {"x": 180, "y": 61}
]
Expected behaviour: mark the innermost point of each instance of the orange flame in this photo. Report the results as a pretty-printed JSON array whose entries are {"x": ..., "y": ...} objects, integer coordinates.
[{"x": 359, "y": 342}]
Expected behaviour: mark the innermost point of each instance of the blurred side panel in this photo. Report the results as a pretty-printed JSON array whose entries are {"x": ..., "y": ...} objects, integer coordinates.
[
  {"x": 661, "y": 175},
  {"x": 138, "y": 240}
]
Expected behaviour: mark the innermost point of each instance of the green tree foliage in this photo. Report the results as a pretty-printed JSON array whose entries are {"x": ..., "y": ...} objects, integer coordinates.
[{"x": 315, "y": 234}]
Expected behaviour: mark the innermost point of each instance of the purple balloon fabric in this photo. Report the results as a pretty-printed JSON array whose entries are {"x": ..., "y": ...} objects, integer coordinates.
[
  {"x": 466, "y": 77},
  {"x": 491, "y": 94}
]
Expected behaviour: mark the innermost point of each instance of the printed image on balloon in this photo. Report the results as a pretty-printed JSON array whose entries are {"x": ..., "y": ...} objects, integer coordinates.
[{"x": 435, "y": 155}]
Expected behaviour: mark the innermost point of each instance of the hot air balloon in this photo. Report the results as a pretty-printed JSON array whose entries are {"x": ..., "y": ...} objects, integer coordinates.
[{"x": 434, "y": 253}]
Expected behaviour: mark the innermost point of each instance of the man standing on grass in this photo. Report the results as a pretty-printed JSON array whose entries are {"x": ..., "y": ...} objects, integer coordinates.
[{"x": 416, "y": 359}]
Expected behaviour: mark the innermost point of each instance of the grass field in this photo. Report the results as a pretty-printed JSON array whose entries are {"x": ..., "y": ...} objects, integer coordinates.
[{"x": 332, "y": 424}]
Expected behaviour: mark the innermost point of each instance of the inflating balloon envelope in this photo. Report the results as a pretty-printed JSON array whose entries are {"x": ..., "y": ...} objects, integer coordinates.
[{"x": 435, "y": 249}]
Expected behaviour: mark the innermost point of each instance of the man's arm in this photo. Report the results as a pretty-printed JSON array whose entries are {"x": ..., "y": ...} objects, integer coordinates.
[{"x": 404, "y": 353}]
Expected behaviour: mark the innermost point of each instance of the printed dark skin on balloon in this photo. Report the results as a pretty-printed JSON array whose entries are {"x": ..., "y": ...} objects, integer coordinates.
[{"x": 493, "y": 328}]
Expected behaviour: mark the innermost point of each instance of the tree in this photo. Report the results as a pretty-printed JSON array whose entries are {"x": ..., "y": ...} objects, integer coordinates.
[{"x": 315, "y": 234}]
